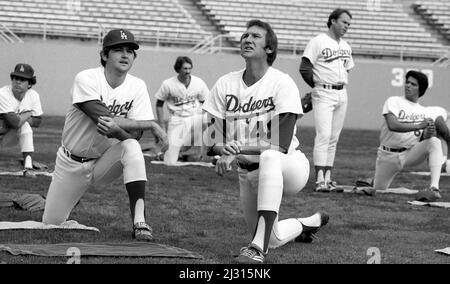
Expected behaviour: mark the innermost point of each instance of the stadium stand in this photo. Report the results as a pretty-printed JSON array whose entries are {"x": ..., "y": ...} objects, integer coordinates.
[
  {"x": 164, "y": 21},
  {"x": 436, "y": 13},
  {"x": 387, "y": 31}
]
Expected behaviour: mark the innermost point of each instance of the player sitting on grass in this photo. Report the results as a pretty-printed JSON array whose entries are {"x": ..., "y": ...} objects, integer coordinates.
[{"x": 408, "y": 138}]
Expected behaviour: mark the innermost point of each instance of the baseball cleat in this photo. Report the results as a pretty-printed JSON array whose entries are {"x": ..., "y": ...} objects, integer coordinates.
[
  {"x": 142, "y": 232},
  {"x": 308, "y": 233},
  {"x": 370, "y": 191},
  {"x": 429, "y": 195},
  {"x": 321, "y": 187},
  {"x": 333, "y": 187},
  {"x": 250, "y": 255}
]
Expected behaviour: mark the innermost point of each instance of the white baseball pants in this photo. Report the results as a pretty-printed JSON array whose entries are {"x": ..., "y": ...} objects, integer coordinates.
[
  {"x": 330, "y": 107},
  {"x": 388, "y": 164},
  {"x": 22, "y": 136},
  {"x": 183, "y": 131},
  {"x": 71, "y": 179},
  {"x": 278, "y": 174}
]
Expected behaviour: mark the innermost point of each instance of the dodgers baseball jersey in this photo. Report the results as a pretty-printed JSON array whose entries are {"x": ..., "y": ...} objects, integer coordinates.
[
  {"x": 331, "y": 59},
  {"x": 129, "y": 100},
  {"x": 181, "y": 100},
  {"x": 248, "y": 109},
  {"x": 30, "y": 102},
  {"x": 406, "y": 112}
]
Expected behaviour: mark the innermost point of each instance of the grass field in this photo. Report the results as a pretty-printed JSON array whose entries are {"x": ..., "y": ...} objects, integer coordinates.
[{"x": 194, "y": 209}]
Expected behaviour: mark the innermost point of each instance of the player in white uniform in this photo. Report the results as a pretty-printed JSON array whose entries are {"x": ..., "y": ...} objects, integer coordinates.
[
  {"x": 326, "y": 61},
  {"x": 109, "y": 109},
  {"x": 249, "y": 104},
  {"x": 441, "y": 119},
  {"x": 20, "y": 110},
  {"x": 407, "y": 137},
  {"x": 184, "y": 94}
]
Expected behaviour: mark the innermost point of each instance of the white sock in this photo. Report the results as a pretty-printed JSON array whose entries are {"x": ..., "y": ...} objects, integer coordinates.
[
  {"x": 327, "y": 176},
  {"x": 320, "y": 177},
  {"x": 28, "y": 163},
  {"x": 139, "y": 211},
  {"x": 312, "y": 221}
]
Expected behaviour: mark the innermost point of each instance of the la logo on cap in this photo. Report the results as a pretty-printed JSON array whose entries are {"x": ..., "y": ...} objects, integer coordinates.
[
  {"x": 22, "y": 69},
  {"x": 123, "y": 35}
]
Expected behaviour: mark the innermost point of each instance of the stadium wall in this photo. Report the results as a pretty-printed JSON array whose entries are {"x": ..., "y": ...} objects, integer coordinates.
[{"x": 371, "y": 82}]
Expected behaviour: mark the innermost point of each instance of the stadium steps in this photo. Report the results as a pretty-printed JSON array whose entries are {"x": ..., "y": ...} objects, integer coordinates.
[{"x": 411, "y": 9}]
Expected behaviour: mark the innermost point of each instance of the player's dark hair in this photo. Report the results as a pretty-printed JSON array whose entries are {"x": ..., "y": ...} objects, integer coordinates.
[
  {"x": 336, "y": 14},
  {"x": 422, "y": 80},
  {"x": 271, "y": 38},
  {"x": 106, "y": 51},
  {"x": 180, "y": 61},
  {"x": 31, "y": 81}
]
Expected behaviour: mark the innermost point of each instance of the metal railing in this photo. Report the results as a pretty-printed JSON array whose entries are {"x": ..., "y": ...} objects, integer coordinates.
[{"x": 8, "y": 36}]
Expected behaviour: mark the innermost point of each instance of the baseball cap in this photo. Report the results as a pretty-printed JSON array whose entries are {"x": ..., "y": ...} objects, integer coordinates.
[
  {"x": 23, "y": 71},
  {"x": 119, "y": 36}
]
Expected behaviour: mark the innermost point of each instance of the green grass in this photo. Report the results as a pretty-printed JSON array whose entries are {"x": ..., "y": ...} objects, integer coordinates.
[{"x": 194, "y": 209}]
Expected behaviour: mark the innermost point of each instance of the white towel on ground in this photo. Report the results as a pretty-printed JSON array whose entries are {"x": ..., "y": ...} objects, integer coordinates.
[{"x": 33, "y": 225}]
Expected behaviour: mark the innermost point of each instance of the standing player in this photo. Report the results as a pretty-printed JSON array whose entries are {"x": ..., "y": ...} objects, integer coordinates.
[
  {"x": 109, "y": 109},
  {"x": 20, "y": 110},
  {"x": 252, "y": 105},
  {"x": 408, "y": 137},
  {"x": 325, "y": 65},
  {"x": 184, "y": 94}
]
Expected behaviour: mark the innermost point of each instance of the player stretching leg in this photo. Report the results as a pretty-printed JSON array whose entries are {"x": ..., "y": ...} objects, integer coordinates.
[
  {"x": 408, "y": 138},
  {"x": 325, "y": 65},
  {"x": 110, "y": 108},
  {"x": 252, "y": 105}
]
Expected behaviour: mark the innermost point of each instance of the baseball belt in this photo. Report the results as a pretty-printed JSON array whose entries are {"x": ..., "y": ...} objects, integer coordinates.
[
  {"x": 250, "y": 167},
  {"x": 75, "y": 157},
  {"x": 393, "y": 150},
  {"x": 333, "y": 87}
]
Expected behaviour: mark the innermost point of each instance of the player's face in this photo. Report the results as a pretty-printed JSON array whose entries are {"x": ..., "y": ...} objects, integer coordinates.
[
  {"x": 341, "y": 25},
  {"x": 185, "y": 70},
  {"x": 412, "y": 89},
  {"x": 120, "y": 58},
  {"x": 253, "y": 43},
  {"x": 19, "y": 85}
]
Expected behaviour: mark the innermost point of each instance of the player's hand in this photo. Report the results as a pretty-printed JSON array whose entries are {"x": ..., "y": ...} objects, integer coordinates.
[
  {"x": 164, "y": 142},
  {"x": 230, "y": 148},
  {"x": 430, "y": 130},
  {"x": 223, "y": 165},
  {"x": 108, "y": 127}
]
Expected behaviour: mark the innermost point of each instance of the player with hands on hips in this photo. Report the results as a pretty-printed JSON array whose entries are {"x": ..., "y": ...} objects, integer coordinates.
[
  {"x": 184, "y": 95},
  {"x": 325, "y": 65},
  {"x": 253, "y": 114},
  {"x": 20, "y": 111},
  {"x": 408, "y": 138},
  {"x": 109, "y": 112}
]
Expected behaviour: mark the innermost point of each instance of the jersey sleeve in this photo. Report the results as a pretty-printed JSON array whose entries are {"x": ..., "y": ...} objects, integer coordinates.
[
  {"x": 84, "y": 88},
  {"x": 36, "y": 108},
  {"x": 204, "y": 93},
  {"x": 5, "y": 104},
  {"x": 163, "y": 92},
  {"x": 287, "y": 98},
  {"x": 311, "y": 50},
  {"x": 215, "y": 102},
  {"x": 142, "y": 108},
  {"x": 390, "y": 106}
]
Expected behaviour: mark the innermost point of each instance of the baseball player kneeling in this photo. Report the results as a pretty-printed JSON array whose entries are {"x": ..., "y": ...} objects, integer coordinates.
[
  {"x": 258, "y": 108},
  {"x": 408, "y": 137},
  {"x": 110, "y": 109}
]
